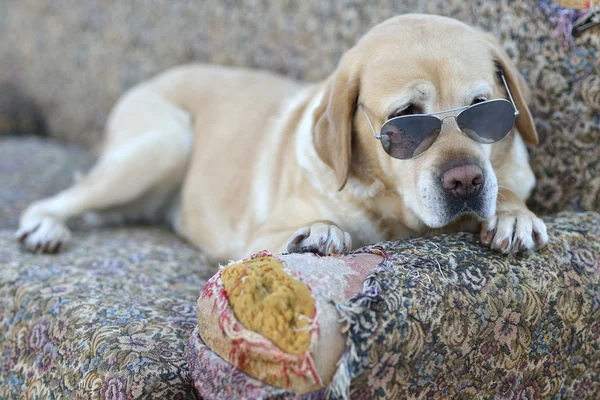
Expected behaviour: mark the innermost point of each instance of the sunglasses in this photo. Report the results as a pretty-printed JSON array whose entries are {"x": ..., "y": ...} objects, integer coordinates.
[{"x": 408, "y": 136}]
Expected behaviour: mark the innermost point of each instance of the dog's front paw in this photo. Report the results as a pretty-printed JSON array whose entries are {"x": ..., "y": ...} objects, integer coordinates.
[
  {"x": 44, "y": 234},
  {"x": 513, "y": 231},
  {"x": 321, "y": 238}
]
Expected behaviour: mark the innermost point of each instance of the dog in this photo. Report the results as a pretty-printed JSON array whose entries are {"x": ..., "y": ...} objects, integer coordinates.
[{"x": 238, "y": 161}]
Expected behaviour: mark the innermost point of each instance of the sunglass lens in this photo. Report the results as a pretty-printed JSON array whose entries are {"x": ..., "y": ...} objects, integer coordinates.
[
  {"x": 487, "y": 122},
  {"x": 407, "y": 137}
]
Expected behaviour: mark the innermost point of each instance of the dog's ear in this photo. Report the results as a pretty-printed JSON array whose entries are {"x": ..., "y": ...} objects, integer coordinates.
[
  {"x": 332, "y": 126},
  {"x": 518, "y": 88}
]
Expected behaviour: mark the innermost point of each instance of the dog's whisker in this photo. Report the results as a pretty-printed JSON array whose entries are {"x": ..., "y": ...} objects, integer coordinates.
[
  {"x": 503, "y": 182},
  {"x": 502, "y": 167}
]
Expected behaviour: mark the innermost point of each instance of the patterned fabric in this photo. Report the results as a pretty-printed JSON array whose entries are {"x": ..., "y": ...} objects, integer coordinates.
[
  {"x": 212, "y": 374},
  {"x": 445, "y": 318},
  {"x": 110, "y": 317},
  {"x": 566, "y": 107}
]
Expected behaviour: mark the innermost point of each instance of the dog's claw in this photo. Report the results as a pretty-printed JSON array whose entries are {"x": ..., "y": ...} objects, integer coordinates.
[
  {"x": 488, "y": 238},
  {"x": 43, "y": 234},
  {"x": 296, "y": 239},
  {"x": 516, "y": 246},
  {"x": 537, "y": 237},
  {"x": 515, "y": 231}
]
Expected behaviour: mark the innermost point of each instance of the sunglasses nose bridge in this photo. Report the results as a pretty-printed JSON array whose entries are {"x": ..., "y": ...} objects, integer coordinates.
[
  {"x": 449, "y": 125},
  {"x": 448, "y": 116}
]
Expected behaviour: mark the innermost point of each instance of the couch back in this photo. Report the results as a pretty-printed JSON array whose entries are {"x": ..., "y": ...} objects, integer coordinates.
[{"x": 75, "y": 59}]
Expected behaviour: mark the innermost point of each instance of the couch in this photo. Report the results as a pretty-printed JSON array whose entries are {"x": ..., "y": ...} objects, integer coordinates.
[{"x": 111, "y": 317}]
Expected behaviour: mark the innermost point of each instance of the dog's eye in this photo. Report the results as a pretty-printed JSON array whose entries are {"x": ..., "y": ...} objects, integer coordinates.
[
  {"x": 411, "y": 109},
  {"x": 479, "y": 99}
]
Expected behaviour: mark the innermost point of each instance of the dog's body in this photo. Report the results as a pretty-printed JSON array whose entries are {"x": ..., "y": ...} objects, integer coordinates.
[{"x": 239, "y": 160}]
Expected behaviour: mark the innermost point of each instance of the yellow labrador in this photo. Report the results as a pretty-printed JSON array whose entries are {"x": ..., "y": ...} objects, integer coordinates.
[{"x": 239, "y": 161}]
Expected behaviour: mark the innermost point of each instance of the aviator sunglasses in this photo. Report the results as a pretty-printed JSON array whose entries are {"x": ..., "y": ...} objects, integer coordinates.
[{"x": 408, "y": 136}]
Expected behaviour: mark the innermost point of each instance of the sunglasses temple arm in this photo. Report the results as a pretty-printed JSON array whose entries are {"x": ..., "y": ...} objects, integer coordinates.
[
  {"x": 509, "y": 94},
  {"x": 369, "y": 121}
]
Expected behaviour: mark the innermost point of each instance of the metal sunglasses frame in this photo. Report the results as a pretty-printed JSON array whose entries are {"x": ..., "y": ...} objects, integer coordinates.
[{"x": 434, "y": 114}]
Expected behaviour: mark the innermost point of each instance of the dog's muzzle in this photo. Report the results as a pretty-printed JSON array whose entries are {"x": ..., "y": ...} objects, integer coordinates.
[{"x": 463, "y": 186}]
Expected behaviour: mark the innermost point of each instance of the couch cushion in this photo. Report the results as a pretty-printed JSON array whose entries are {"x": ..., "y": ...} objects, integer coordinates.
[
  {"x": 565, "y": 104},
  {"x": 109, "y": 318},
  {"x": 446, "y": 318},
  {"x": 439, "y": 318}
]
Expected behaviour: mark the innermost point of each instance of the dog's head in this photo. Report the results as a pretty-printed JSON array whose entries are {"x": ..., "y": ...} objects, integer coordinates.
[{"x": 415, "y": 64}]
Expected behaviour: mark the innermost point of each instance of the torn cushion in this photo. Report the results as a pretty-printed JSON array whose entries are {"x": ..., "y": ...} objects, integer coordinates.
[
  {"x": 439, "y": 317},
  {"x": 274, "y": 317},
  {"x": 269, "y": 301}
]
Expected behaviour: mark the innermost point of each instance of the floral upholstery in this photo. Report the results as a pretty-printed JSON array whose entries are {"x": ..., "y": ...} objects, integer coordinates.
[
  {"x": 442, "y": 318},
  {"x": 110, "y": 318},
  {"x": 445, "y": 318}
]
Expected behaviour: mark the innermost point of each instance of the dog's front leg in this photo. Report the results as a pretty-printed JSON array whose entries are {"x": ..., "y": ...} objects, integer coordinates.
[{"x": 514, "y": 227}]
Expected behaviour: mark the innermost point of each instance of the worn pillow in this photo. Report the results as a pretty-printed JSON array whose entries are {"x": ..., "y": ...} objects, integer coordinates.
[{"x": 441, "y": 317}]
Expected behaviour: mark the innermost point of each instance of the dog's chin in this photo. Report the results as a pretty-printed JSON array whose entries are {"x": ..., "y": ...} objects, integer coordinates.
[{"x": 441, "y": 215}]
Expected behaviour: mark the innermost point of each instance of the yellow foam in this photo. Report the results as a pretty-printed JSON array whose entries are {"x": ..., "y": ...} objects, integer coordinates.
[{"x": 267, "y": 300}]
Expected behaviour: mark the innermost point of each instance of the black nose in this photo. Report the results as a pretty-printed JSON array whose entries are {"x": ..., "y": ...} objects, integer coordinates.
[{"x": 464, "y": 181}]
